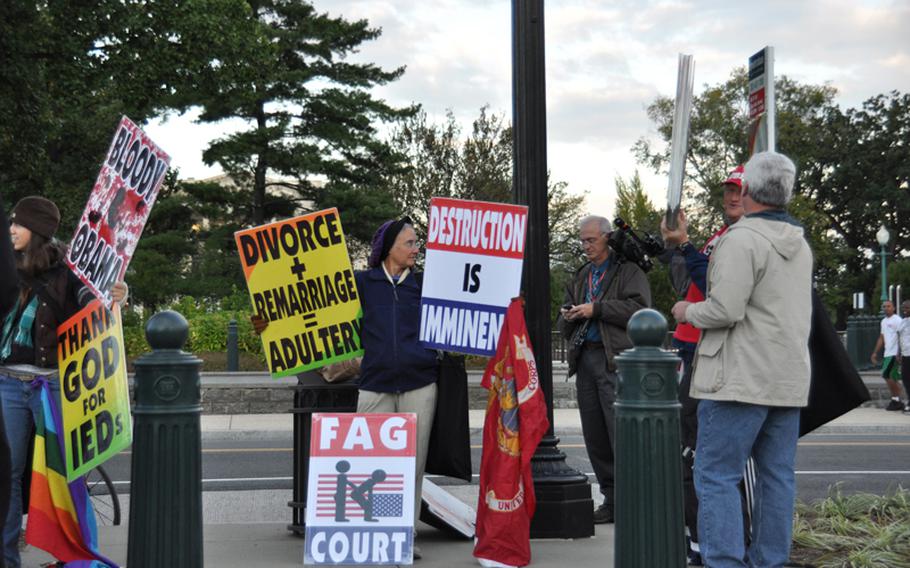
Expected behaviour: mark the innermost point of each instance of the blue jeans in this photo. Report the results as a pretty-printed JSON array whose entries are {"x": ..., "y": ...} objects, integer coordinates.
[
  {"x": 728, "y": 433},
  {"x": 21, "y": 408}
]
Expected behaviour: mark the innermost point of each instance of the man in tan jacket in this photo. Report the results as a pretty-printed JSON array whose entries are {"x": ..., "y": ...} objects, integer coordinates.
[{"x": 752, "y": 370}]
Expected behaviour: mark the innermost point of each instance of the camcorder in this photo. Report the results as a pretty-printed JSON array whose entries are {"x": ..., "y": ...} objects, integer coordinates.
[{"x": 633, "y": 248}]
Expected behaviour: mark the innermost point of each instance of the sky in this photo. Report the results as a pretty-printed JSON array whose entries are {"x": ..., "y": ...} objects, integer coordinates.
[{"x": 605, "y": 62}]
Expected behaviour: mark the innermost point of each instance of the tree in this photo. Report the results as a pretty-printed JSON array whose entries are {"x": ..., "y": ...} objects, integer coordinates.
[
  {"x": 635, "y": 208},
  {"x": 311, "y": 121},
  {"x": 443, "y": 163},
  {"x": 852, "y": 172}
]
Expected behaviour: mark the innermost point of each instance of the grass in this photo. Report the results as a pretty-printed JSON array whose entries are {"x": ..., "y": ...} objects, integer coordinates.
[{"x": 853, "y": 531}]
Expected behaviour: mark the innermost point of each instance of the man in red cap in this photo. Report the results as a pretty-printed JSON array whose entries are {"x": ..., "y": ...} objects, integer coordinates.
[{"x": 685, "y": 338}]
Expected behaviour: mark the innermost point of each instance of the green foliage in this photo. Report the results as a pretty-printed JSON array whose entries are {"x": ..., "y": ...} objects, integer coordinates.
[
  {"x": 852, "y": 171},
  {"x": 636, "y": 209},
  {"x": 208, "y": 327},
  {"x": 442, "y": 162},
  {"x": 853, "y": 531}
]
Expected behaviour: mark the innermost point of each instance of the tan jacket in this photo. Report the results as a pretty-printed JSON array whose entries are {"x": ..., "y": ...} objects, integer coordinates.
[
  {"x": 624, "y": 292},
  {"x": 755, "y": 320}
]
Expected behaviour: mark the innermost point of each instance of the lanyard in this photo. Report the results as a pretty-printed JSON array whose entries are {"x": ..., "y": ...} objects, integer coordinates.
[{"x": 594, "y": 285}]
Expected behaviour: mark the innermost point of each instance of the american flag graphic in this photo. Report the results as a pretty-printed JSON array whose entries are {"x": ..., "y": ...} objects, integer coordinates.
[{"x": 388, "y": 496}]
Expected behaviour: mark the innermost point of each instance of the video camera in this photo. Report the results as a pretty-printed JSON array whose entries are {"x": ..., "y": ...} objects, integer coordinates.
[{"x": 630, "y": 247}]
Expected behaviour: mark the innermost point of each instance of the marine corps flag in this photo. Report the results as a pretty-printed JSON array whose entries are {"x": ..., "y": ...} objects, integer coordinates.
[{"x": 516, "y": 420}]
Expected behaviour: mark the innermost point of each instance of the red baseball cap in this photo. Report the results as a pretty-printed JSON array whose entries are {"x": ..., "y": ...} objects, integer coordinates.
[{"x": 736, "y": 177}]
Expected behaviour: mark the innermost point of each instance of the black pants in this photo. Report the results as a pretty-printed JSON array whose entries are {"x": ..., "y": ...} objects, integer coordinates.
[
  {"x": 688, "y": 422},
  {"x": 595, "y": 388}
]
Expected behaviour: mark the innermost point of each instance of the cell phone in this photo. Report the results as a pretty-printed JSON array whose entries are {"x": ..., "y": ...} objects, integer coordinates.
[{"x": 567, "y": 306}]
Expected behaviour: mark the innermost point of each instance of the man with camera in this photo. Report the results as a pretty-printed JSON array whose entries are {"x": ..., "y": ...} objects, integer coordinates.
[
  {"x": 603, "y": 295},
  {"x": 685, "y": 337}
]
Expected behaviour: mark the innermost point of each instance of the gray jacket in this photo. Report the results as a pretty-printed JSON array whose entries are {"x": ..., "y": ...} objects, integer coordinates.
[
  {"x": 625, "y": 291},
  {"x": 755, "y": 320}
]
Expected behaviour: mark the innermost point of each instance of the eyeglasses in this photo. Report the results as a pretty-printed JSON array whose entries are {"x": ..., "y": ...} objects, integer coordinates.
[
  {"x": 590, "y": 240},
  {"x": 411, "y": 244}
]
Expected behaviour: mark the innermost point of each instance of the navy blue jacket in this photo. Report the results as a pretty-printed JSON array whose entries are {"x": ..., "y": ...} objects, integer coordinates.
[{"x": 393, "y": 361}]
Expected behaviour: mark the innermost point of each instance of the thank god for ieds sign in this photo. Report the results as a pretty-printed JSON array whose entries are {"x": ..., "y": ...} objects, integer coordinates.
[
  {"x": 93, "y": 387},
  {"x": 300, "y": 280},
  {"x": 473, "y": 270}
]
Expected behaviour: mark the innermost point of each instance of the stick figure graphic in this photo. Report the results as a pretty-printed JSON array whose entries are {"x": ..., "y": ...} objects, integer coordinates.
[
  {"x": 363, "y": 494},
  {"x": 341, "y": 490}
]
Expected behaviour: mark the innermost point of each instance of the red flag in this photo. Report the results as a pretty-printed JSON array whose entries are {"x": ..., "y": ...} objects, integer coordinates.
[{"x": 516, "y": 420}]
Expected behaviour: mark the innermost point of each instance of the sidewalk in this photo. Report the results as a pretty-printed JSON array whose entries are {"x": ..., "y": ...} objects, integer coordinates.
[{"x": 860, "y": 421}]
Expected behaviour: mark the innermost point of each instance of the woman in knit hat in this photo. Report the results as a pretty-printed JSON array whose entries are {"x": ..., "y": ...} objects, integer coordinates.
[
  {"x": 397, "y": 373},
  {"x": 47, "y": 295}
]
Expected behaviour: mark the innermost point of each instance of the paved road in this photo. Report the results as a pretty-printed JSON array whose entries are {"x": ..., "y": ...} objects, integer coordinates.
[{"x": 873, "y": 464}]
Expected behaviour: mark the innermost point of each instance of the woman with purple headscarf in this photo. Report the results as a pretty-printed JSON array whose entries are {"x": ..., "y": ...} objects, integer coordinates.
[{"x": 397, "y": 373}]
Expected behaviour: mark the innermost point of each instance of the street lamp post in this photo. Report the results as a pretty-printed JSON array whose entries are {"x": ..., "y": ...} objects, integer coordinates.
[{"x": 882, "y": 236}]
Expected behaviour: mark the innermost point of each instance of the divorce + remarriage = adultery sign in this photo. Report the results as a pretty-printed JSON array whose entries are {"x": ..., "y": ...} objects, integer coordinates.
[
  {"x": 472, "y": 271},
  {"x": 117, "y": 209},
  {"x": 300, "y": 279},
  {"x": 95, "y": 397}
]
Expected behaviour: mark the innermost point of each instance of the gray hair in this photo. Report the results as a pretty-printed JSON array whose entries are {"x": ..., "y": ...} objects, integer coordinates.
[
  {"x": 603, "y": 221},
  {"x": 769, "y": 179}
]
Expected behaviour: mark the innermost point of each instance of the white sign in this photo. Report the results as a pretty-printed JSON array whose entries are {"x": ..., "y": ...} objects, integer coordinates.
[
  {"x": 473, "y": 270},
  {"x": 360, "y": 490}
]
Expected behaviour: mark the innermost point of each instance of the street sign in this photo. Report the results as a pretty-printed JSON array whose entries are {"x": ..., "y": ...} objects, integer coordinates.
[{"x": 762, "y": 114}]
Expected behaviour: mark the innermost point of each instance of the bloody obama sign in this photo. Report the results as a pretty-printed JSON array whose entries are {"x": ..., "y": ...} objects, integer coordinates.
[{"x": 117, "y": 209}]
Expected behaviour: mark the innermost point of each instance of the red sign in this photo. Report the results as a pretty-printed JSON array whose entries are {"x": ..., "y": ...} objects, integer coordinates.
[
  {"x": 117, "y": 209},
  {"x": 756, "y": 103}
]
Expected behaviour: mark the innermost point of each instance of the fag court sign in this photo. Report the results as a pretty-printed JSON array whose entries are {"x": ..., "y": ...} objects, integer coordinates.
[
  {"x": 300, "y": 279},
  {"x": 95, "y": 398},
  {"x": 117, "y": 209},
  {"x": 473, "y": 267},
  {"x": 360, "y": 489}
]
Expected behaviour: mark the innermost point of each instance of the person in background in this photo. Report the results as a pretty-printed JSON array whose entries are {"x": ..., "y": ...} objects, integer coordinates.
[
  {"x": 752, "y": 370},
  {"x": 887, "y": 339},
  {"x": 47, "y": 295},
  {"x": 685, "y": 338},
  {"x": 903, "y": 355},
  {"x": 397, "y": 374},
  {"x": 602, "y": 296}
]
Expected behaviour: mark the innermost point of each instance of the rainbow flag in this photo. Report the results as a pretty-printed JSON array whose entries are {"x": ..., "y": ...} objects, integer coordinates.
[{"x": 61, "y": 519}]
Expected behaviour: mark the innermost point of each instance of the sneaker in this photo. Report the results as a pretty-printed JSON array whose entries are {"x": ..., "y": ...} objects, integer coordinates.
[
  {"x": 603, "y": 514},
  {"x": 693, "y": 554},
  {"x": 895, "y": 405}
]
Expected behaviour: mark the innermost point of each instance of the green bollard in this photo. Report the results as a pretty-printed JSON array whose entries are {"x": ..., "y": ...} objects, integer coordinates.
[
  {"x": 853, "y": 341},
  {"x": 166, "y": 480},
  {"x": 650, "y": 529}
]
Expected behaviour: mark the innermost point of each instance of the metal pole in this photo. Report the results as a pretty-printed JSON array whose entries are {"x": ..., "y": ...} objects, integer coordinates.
[
  {"x": 884, "y": 281},
  {"x": 233, "y": 356},
  {"x": 564, "y": 505},
  {"x": 166, "y": 478}
]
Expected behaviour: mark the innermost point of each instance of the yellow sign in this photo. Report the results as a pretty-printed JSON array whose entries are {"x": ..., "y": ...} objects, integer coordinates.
[
  {"x": 300, "y": 280},
  {"x": 94, "y": 391}
]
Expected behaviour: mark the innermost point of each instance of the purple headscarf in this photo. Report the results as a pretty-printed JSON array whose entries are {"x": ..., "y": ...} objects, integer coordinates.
[{"x": 384, "y": 238}]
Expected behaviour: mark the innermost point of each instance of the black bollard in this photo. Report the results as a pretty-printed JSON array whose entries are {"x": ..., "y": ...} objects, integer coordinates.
[
  {"x": 166, "y": 481},
  {"x": 233, "y": 357},
  {"x": 650, "y": 530}
]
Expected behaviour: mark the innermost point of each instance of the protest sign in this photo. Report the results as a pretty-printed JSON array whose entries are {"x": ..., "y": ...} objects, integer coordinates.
[
  {"x": 360, "y": 489},
  {"x": 762, "y": 115},
  {"x": 94, "y": 392},
  {"x": 472, "y": 271},
  {"x": 300, "y": 281},
  {"x": 117, "y": 209}
]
